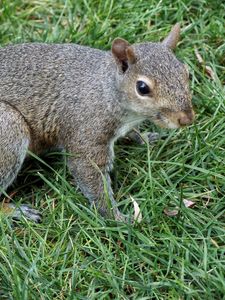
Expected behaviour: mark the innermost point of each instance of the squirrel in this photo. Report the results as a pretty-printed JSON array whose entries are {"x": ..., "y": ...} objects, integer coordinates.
[{"x": 83, "y": 99}]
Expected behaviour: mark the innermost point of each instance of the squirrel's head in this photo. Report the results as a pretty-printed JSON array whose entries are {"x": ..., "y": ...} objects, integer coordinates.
[{"x": 153, "y": 82}]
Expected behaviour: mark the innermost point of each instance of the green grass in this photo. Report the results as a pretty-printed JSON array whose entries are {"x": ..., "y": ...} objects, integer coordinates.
[{"x": 75, "y": 254}]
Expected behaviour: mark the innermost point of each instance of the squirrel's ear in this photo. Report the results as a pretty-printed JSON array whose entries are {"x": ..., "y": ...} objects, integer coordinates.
[
  {"x": 173, "y": 37},
  {"x": 123, "y": 53}
]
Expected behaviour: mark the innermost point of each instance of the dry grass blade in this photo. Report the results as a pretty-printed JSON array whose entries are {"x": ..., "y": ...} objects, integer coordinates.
[
  {"x": 208, "y": 70},
  {"x": 171, "y": 213}
]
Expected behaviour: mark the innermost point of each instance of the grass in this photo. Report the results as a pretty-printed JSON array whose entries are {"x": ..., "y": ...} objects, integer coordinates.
[{"x": 75, "y": 254}]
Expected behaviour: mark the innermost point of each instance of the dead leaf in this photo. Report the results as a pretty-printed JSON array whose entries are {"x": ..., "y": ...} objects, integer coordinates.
[
  {"x": 174, "y": 212},
  {"x": 199, "y": 57},
  {"x": 209, "y": 71},
  {"x": 170, "y": 213},
  {"x": 188, "y": 203},
  {"x": 137, "y": 211}
]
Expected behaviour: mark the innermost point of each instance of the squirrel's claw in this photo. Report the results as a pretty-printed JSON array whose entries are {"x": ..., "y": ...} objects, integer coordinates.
[
  {"x": 119, "y": 217},
  {"x": 141, "y": 138},
  {"x": 152, "y": 137}
]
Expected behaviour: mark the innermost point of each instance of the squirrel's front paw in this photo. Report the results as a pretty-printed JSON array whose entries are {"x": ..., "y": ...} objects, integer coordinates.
[
  {"x": 142, "y": 138},
  {"x": 123, "y": 218}
]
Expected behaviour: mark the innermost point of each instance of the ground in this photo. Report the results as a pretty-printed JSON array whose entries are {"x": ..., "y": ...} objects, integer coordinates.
[{"x": 74, "y": 253}]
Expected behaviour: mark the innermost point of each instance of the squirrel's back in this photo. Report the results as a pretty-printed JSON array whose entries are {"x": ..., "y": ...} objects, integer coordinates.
[
  {"x": 35, "y": 69},
  {"x": 46, "y": 82}
]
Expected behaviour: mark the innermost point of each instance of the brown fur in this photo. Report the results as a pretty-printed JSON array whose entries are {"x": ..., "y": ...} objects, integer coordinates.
[{"x": 83, "y": 99}]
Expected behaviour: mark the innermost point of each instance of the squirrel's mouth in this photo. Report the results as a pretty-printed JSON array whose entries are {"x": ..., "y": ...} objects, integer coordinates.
[{"x": 174, "y": 120}]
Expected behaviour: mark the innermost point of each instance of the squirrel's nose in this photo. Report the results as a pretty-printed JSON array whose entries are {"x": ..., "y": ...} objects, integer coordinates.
[{"x": 186, "y": 118}]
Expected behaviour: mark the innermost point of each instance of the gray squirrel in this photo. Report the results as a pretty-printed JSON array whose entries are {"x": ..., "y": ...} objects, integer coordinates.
[{"x": 83, "y": 99}]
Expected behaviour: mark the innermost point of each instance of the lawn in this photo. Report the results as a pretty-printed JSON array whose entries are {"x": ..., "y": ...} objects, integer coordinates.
[{"x": 76, "y": 254}]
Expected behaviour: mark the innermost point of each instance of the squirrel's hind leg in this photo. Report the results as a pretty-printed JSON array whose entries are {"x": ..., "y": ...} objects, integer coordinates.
[
  {"x": 17, "y": 212},
  {"x": 14, "y": 143}
]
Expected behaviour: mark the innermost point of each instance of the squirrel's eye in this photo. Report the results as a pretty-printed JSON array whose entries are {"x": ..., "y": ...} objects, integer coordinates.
[{"x": 142, "y": 88}]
